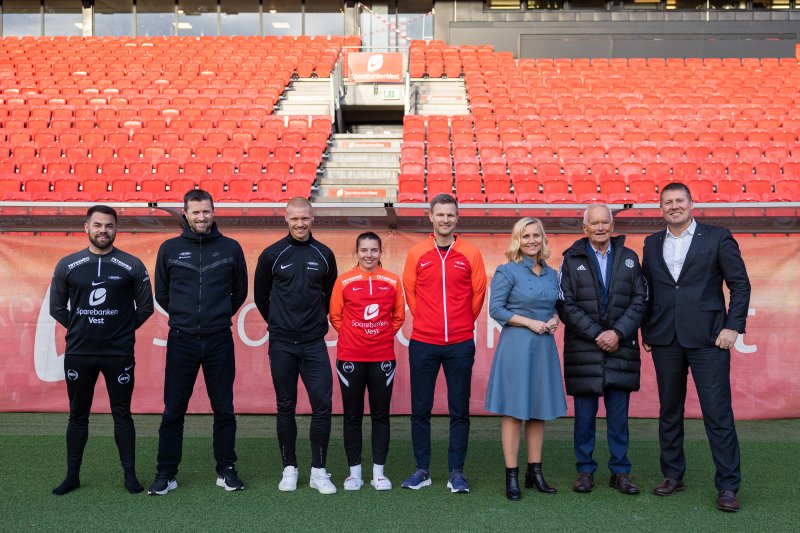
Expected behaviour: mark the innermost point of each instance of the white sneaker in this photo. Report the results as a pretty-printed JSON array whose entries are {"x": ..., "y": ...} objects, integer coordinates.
[
  {"x": 322, "y": 482},
  {"x": 289, "y": 480},
  {"x": 353, "y": 483},
  {"x": 381, "y": 483}
]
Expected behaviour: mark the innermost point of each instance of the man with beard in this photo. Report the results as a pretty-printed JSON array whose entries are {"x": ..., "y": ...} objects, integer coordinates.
[
  {"x": 201, "y": 281},
  {"x": 101, "y": 295}
]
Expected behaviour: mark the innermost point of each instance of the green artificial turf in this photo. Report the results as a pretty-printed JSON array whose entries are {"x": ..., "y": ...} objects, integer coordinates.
[{"x": 32, "y": 463}]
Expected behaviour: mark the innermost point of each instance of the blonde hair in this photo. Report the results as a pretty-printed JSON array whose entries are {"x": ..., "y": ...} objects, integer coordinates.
[
  {"x": 299, "y": 202},
  {"x": 513, "y": 253}
]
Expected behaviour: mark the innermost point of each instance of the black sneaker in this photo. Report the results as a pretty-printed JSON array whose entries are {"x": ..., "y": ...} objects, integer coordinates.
[
  {"x": 229, "y": 479},
  {"x": 162, "y": 485}
]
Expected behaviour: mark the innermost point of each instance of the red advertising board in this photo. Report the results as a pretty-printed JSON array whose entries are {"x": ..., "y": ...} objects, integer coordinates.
[
  {"x": 375, "y": 67},
  {"x": 765, "y": 368}
]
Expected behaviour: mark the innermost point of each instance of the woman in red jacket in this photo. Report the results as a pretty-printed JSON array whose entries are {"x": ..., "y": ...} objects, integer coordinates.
[{"x": 367, "y": 308}]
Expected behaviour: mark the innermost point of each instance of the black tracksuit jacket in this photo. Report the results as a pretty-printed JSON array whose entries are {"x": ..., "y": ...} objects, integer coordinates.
[
  {"x": 292, "y": 288},
  {"x": 201, "y": 280},
  {"x": 109, "y": 297}
]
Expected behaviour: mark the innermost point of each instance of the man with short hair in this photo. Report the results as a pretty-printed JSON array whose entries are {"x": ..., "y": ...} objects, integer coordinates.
[
  {"x": 293, "y": 285},
  {"x": 602, "y": 302},
  {"x": 445, "y": 283},
  {"x": 101, "y": 295},
  {"x": 201, "y": 281},
  {"x": 687, "y": 327}
]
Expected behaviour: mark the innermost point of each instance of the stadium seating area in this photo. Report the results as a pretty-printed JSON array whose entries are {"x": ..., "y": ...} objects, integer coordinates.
[
  {"x": 143, "y": 119},
  {"x": 564, "y": 131}
]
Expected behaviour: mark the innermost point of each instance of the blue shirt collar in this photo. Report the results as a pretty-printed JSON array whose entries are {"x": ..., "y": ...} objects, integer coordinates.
[{"x": 591, "y": 249}]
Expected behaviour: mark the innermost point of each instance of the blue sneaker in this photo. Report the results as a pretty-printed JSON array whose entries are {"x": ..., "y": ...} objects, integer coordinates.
[
  {"x": 457, "y": 482},
  {"x": 420, "y": 478}
]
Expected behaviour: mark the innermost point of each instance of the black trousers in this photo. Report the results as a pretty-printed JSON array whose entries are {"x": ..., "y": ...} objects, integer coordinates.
[
  {"x": 354, "y": 379},
  {"x": 425, "y": 360},
  {"x": 711, "y": 373},
  {"x": 309, "y": 361},
  {"x": 186, "y": 354},
  {"x": 81, "y": 372}
]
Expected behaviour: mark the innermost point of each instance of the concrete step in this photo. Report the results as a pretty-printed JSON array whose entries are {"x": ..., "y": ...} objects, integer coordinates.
[
  {"x": 442, "y": 109},
  {"x": 312, "y": 84},
  {"x": 287, "y": 108},
  {"x": 346, "y": 170},
  {"x": 367, "y": 177},
  {"x": 306, "y": 97},
  {"x": 364, "y": 157}
]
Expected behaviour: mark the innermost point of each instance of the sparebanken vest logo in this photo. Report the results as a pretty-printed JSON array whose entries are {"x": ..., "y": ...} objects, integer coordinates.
[
  {"x": 375, "y": 63},
  {"x": 97, "y": 297},
  {"x": 371, "y": 311}
]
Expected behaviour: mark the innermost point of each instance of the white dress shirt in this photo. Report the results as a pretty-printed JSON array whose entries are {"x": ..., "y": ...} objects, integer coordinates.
[{"x": 676, "y": 248}]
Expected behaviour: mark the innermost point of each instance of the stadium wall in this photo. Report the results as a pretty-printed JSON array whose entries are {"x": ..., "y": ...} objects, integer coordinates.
[
  {"x": 765, "y": 365},
  {"x": 631, "y": 33}
]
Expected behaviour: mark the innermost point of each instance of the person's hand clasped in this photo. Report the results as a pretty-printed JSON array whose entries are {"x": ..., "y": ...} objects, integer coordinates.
[
  {"x": 608, "y": 341},
  {"x": 552, "y": 325},
  {"x": 726, "y": 339},
  {"x": 537, "y": 326}
]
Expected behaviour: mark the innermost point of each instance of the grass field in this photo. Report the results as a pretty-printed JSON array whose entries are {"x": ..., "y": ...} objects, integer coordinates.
[{"x": 32, "y": 462}]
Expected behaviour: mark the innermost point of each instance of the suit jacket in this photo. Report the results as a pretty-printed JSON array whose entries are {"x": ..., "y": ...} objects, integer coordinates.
[{"x": 693, "y": 308}]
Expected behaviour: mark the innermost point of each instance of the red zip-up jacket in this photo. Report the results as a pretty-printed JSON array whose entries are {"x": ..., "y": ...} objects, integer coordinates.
[
  {"x": 444, "y": 290},
  {"x": 367, "y": 309}
]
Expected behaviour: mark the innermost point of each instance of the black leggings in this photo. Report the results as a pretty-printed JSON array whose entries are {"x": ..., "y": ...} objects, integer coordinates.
[
  {"x": 81, "y": 373},
  {"x": 309, "y": 361},
  {"x": 354, "y": 379}
]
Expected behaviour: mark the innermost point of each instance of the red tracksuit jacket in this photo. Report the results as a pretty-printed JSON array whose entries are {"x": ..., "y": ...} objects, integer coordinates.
[
  {"x": 444, "y": 290},
  {"x": 367, "y": 309}
]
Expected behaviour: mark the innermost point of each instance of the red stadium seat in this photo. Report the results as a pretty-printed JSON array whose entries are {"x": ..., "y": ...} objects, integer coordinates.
[
  {"x": 789, "y": 188},
  {"x": 758, "y": 186},
  {"x": 435, "y": 187},
  {"x": 729, "y": 186},
  {"x": 153, "y": 185}
]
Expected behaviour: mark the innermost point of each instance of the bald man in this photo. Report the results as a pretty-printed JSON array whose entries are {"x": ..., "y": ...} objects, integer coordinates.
[{"x": 293, "y": 284}]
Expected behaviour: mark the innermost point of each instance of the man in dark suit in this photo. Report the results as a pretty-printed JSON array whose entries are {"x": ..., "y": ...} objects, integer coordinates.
[{"x": 687, "y": 327}]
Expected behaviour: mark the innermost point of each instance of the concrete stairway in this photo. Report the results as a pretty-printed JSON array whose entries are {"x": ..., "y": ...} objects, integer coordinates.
[
  {"x": 439, "y": 97},
  {"x": 362, "y": 166},
  {"x": 306, "y": 97}
]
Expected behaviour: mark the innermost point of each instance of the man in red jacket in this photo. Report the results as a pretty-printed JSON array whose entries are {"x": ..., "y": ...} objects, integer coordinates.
[{"x": 445, "y": 283}]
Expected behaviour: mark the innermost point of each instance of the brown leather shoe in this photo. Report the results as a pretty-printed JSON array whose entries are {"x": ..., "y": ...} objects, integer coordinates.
[
  {"x": 584, "y": 483},
  {"x": 727, "y": 501},
  {"x": 623, "y": 483},
  {"x": 668, "y": 487}
]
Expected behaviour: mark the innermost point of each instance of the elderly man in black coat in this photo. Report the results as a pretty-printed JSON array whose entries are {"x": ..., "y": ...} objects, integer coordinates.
[{"x": 602, "y": 304}]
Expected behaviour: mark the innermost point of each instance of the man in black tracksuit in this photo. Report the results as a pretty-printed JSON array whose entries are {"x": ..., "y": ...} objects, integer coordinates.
[
  {"x": 293, "y": 284},
  {"x": 109, "y": 297},
  {"x": 602, "y": 304},
  {"x": 201, "y": 281}
]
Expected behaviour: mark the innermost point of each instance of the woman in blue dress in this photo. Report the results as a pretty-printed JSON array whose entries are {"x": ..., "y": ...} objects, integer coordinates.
[{"x": 525, "y": 383}]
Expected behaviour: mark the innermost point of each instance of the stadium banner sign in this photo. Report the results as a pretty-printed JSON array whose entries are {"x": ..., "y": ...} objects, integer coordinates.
[
  {"x": 765, "y": 366},
  {"x": 375, "y": 67}
]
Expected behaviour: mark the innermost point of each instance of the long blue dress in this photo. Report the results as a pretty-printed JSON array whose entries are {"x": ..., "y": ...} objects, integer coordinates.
[{"x": 525, "y": 380}]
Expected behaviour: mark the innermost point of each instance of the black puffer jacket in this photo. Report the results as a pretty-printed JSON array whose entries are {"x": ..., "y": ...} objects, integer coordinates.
[{"x": 588, "y": 370}]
